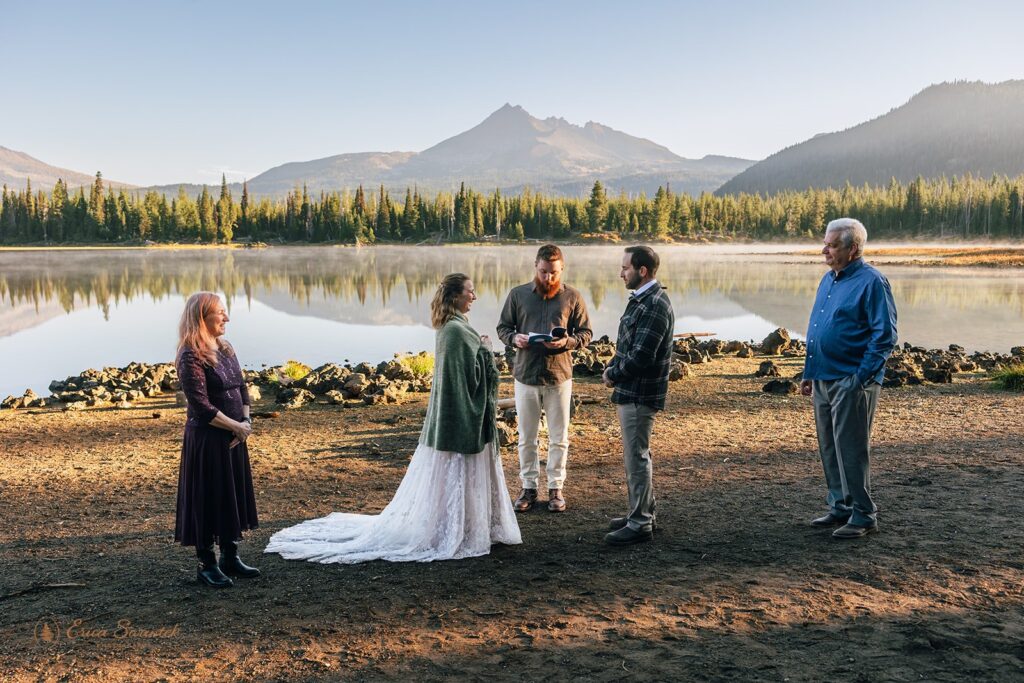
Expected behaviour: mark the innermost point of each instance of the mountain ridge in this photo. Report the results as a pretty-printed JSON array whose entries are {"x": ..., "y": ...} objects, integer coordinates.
[
  {"x": 945, "y": 129},
  {"x": 509, "y": 149},
  {"x": 16, "y": 168}
]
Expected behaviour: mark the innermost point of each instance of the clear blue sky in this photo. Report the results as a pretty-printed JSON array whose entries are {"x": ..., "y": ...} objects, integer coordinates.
[{"x": 166, "y": 92}]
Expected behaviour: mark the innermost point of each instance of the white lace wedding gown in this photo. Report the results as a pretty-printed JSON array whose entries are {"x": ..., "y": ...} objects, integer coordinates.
[{"x": 448, "y": 506}]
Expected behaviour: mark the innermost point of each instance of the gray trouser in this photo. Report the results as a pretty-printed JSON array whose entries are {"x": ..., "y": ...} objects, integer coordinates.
[
  {"x": 636, "y": 422},
  {"x": 843, "y": 412}
]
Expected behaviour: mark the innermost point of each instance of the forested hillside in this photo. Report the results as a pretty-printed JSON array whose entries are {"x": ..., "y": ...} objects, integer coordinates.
[{"x": 950, "y": 129}]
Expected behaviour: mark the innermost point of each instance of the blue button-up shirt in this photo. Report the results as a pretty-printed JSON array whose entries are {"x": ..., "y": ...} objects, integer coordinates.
[{"x": 853, "y": 325}]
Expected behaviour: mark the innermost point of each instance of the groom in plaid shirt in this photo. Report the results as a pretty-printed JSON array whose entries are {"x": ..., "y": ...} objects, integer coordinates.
[{"x": 639, "y": 375}]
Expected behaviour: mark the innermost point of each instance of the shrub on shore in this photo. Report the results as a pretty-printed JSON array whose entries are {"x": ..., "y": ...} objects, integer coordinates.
[
  {"x": 420, "y": 364},
  {"x": 1010, "y": 378},
  {"x": 295, "y": 370}
]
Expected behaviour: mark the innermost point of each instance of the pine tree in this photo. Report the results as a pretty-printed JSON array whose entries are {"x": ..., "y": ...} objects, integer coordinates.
[
  {"x": 151, "y": 222},
  {"x": 55, "y": 218},
  {"x": 661, "y": 212},
  {"x": 465, "y": 216},
  {"x": 243, "y": 211},
  {"x": 28, "y": 214},
  {"x": 558, "y": 222},
  {"x": 499, "y": 212},
  {"x": 359, "y": 205},
  {"x": 478, "y": 216},
  {"x": 114, "y": 218},
  {"x": 186, "y": 217},
  {"x": 382, "y": 221},
  {"x": 225, "y": 213},
  {"x": 597, "y": 208},
  {"x": 207, "y": 220},
  {"x": 96, "y": 213},
  {"x": 410, "y": 215},
  {"x": 78, "y": 220},
  {"x": 7, "y": 217},
  {"x": 307, "y": 215}
]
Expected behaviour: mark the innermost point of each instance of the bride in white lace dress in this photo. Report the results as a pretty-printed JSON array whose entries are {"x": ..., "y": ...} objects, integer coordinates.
[{"x": 452, "y": 502}]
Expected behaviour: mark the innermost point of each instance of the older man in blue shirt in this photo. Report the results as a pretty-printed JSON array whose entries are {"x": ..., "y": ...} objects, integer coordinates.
[{"x": 851, "y": 333}]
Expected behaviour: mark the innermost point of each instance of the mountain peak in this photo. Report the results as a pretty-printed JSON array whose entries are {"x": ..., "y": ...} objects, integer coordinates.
[{"x": 509, "y": 111}]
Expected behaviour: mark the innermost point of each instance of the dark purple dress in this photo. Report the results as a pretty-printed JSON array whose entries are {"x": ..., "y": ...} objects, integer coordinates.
[{"x": 215, "y": 495}]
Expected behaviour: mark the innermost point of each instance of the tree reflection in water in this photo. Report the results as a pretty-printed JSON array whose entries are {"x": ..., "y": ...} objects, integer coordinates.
[{"x": 984, "y": 307}]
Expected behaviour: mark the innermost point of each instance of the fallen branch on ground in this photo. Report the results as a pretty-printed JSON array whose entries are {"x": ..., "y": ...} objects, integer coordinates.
[{"x": 40, "y": 587}]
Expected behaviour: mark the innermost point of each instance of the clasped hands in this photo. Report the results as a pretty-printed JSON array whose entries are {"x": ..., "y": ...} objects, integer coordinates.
[{"x": 242, "y": 430}]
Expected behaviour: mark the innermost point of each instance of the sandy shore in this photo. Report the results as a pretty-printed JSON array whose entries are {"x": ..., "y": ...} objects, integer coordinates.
[{"x": 734, "y": 587}]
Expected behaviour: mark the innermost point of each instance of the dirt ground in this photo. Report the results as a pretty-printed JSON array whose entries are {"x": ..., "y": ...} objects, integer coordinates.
[{"x": 735, "y": 585}]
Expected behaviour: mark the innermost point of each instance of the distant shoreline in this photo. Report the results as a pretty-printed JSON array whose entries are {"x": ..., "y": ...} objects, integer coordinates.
[{"x": 963, "y": 254}]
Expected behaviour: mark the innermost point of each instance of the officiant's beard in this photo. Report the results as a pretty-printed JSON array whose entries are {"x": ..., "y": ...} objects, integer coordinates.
[{"x": 547, "y": 290}]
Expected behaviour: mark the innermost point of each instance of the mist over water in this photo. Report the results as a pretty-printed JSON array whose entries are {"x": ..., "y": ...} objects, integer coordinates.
[{"x": 64, "y": 311}]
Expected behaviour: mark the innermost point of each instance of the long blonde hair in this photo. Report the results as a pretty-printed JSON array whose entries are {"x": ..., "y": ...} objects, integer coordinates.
[
  {"x": 192, "y": 331},
  {"x": 442, "y": 308}
]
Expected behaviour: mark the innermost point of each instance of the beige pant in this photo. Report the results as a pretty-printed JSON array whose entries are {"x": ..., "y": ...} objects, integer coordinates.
[{"x": 554, "y": 401}]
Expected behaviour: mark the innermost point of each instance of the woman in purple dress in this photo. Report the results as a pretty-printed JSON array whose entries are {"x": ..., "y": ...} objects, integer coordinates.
[{"x": 215, "y": 494}]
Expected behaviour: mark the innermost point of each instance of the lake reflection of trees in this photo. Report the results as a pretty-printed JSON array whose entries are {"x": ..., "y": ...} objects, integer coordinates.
[{"x": 375, "y": 276}]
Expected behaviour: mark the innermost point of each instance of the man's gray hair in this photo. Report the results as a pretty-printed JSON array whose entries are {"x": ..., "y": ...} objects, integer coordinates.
[{"x": 851, "y": 231}]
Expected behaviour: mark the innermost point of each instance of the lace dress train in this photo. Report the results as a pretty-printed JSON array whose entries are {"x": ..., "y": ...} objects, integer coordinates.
[{"x": 448, "y": 506}]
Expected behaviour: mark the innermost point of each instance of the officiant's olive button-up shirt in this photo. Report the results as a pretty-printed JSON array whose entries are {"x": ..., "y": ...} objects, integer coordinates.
[{"x": 526, "y": 311}]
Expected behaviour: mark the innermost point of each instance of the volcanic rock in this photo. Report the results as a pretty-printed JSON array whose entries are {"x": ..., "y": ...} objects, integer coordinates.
[{"x": 776, "y": 342}]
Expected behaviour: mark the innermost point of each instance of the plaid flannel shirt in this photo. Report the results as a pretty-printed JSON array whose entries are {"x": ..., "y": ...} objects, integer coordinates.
[{"x": 643, "y": 350}]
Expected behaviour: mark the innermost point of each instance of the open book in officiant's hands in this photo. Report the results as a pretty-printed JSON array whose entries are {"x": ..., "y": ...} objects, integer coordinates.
[{"x": 538, "y": 337}]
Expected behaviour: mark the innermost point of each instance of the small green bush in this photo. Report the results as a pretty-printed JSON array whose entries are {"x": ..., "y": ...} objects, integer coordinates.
[
  {"x": 421, "y": 364},
  {"x": 295, "y": 369},
  {"x": 1010, "y": 378}
]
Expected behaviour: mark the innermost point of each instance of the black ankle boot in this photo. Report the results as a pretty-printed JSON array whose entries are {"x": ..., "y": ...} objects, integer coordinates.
[
  {"x": 231, "y": 564},
  {"x": 208, "y": 571}
]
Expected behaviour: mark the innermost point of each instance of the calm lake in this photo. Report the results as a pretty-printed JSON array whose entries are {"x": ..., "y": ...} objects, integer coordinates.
[{"x": 64, "y": 311}]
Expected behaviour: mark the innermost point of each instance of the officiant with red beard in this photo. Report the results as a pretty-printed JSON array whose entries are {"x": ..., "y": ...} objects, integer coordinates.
[{"x": 555, "y": 316}]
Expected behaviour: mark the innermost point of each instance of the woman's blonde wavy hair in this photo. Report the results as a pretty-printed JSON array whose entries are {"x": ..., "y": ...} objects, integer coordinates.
[
  {"x": 442, "y": 308},
  {"x": 192, "y": 331}
]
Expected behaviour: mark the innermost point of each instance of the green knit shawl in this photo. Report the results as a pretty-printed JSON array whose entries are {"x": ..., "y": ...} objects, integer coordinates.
[{"x": 461, "y": 411}]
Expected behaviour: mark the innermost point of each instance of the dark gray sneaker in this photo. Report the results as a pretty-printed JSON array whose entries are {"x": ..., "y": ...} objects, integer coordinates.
[{"x": 626, "y": 536}]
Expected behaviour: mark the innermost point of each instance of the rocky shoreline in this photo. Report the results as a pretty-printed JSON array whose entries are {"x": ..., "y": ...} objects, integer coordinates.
[{"x": 391, "y": 381}]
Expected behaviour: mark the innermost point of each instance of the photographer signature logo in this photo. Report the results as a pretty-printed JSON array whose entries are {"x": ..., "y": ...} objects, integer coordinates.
[
  {"x": 51, "y": 631},
  {"x": 47, "y": 631}
]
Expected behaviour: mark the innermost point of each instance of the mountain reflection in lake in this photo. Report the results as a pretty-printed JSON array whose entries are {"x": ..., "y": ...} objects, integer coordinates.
[{"x": 64, "y": 311}]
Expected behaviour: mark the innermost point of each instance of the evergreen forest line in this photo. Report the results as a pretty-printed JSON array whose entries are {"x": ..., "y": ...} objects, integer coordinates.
[{"x": 960, "y": 207}]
